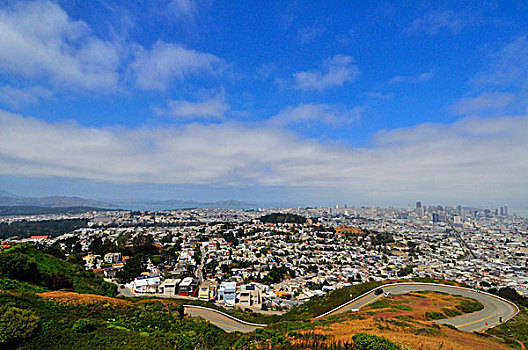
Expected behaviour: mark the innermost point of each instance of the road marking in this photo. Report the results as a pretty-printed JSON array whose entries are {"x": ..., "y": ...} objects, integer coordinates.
[{"x": 470, "y": 323}]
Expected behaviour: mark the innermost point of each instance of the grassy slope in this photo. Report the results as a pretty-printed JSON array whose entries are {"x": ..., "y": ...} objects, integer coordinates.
[
  {"x": 83, "y": 281},
  {"x": 117, "y": 326},
  {"x": 403, "y": 320}
]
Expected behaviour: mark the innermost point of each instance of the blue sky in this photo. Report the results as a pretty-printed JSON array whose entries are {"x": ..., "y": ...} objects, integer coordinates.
[{"x": 295, "y": 102}]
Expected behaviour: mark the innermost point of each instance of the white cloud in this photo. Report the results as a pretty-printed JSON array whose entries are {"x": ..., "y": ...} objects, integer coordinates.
[
  {"x": 435, "y": 22},
  {"x": 38, "y": 39},
  {"x": 502, "y": 85},
  {"x": 213, "y": 108},
  {"x": 16, "y": 97},
  {"x": 471, "y": 159},
  {"x": 411, "y": 79},
  {"x": 508, "y": 67},
  {"x": 187, "y": 10},
  {"x": 183, "y": 8},
  {"x": 316, "y": 114},
  {"x": 380, "y": 95},
  {"x": 487, "y": 101},
  {"x": 307, "y": 34},
  {"x": 166, "y": 63},
  {"x": 335, "y": 71}
]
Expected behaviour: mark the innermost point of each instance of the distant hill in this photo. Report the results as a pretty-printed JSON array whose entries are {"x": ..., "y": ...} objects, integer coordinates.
[
  {"x": 6, "y": 194},
  {"x": 233, "y": 203},
  {"x": 178, "y": 204},
  {"x": 53, "y": 202},
  {"x": 34, "y": 210}
]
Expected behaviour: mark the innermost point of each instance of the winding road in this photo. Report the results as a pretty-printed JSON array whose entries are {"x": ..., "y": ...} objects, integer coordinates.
[
  {"x": 224, "y": 321},
  {"x": 494, "y": 308}
]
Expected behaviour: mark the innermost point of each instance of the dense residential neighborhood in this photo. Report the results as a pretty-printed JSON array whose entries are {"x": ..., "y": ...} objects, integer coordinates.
[{"x": 271, "y": 259}]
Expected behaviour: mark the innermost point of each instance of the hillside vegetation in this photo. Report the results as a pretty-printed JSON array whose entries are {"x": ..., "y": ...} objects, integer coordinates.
[
  {"x": 50, "y": 303},
  {"x": 26, "y": 267}
]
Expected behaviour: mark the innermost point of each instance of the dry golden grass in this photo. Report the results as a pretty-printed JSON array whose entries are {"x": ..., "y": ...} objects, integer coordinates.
[
  {"x": 77, "y": 298},
  {"x": 408, "y": 328},
  {"x": 420, "y": 305}
]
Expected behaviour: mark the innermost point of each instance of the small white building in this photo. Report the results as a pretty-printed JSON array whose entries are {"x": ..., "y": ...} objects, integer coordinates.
[
  {"x": 169, "y": 287},
  {"x": 250, "y": 295},
  {"x": 146, "y": 284},
  {"x": 227, "y": 293}
]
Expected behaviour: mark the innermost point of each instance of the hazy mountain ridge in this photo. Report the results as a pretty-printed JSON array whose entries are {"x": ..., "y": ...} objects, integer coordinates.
[
  {"x": 8, "y": 199},
  {"x": 52, "y": 201},
  {"x": 36, "y": 210},
  {"x": 176, "y": 203}
]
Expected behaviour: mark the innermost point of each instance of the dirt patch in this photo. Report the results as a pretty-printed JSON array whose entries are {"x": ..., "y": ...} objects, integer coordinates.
[{"x": 84, "y": 299}]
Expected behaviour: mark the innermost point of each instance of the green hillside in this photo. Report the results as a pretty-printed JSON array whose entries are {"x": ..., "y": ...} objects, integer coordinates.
[
  {"x": 24, "y": 263},
  {"x": 33, "y": 318}
]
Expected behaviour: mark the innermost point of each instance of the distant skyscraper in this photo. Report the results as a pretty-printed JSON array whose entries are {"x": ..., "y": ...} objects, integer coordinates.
[
  {"x": 505, "y": 210},
  {"x": 436, "y": 218},
  {"x": 418, "y": 205}
]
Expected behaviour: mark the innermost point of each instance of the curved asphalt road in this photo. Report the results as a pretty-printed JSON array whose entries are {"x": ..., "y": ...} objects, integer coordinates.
[
  {"x": 477, "y": 321},
  {"x": 488, "y": 317},
  {"x": 221, "y": 320}
]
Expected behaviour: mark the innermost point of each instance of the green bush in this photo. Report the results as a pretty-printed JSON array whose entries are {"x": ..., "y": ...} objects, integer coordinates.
[
  {"x": 16, "y": 324},
  {"x": 364, "y": 341},
  {"x": 83, "y": 325},
  {"x": 451, "y": 312},
  {"x": 469, "y": 306},
  {"x": 434, "y": 315},
  {"x": 19, "y": 266}
]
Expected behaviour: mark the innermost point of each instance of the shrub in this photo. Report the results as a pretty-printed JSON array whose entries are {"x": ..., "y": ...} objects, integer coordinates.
[
  {"x": 19, "y": 266},
  {"x": 451, "y": 312},
  {"x": 57, "y": 281},
  {"x": 364, "y": 341},
  {"x": 16, "y": 324},
  {"x": 434, "y": 315},
  {"x": 469, "y": 306},
  {"x": 83, "y": 325}
]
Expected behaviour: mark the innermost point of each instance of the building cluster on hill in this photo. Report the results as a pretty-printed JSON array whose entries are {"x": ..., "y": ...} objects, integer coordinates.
[{"x": 262, "y": 259}]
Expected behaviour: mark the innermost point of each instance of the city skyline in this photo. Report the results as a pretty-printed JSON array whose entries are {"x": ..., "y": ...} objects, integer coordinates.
[{"x": 306, "y": 103}]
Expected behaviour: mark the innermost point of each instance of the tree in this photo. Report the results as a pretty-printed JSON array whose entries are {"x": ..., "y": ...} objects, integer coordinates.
[
  {"x": 56, "y": 281},
  {"x": 16, "y": 324},
  {"x": 133, "y": 268},
  {"x": 97, "y": 246},
  {"x": 144, "y": 244},
  {"x": 19, "y": 266},
  {"x": 55, "y": 250}
]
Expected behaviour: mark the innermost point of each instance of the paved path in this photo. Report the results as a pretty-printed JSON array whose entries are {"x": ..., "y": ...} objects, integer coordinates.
[
  {"x": 221, "y": 320},
  {"x": 488, "y": 317}
]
